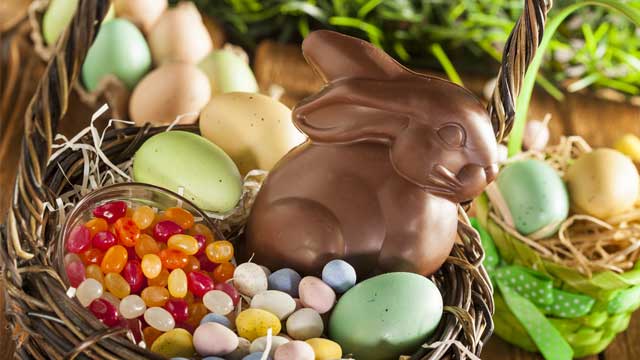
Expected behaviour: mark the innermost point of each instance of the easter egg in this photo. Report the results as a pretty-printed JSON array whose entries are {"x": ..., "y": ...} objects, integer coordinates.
[
  {"x": 276, "y": 302},
  {"x": 305, "y": 324},
  {"x": 340, "y": 275},
  {"x": 629, "y": 144},
  {"x": 285, "y": 280},
  {"x": 178, "y": 159},
  {"x": 56, "y": 18},
  {"x": 168, "y": 92},
  {"x": 325, "y": 349},
  {"x": 536, "y": 135},
  {"x": 254, "y": 129},
  {"x": 294, "y": 350},
  {"x": 174, "y": 343},
  {"x": 216, "y": 318},
  {"x": 260, "y": 344},
  {"x": 143, "y": 13},
  {"x": 256, "y": 356},
  {"x": 241, "y": 351},
  {"x": 214, "y": 339},
  {"x": 254, "y": 323},
  {"x": 398, "y": 310},
  {"x": 535, "y": 195},
  {"x": 315, "y": 294},
  {"x": 228, "y": 72},
  {"x": 249, "y": 279},
  {"x": 120, "y": 50},
  {"x": 603, "y": 183}
]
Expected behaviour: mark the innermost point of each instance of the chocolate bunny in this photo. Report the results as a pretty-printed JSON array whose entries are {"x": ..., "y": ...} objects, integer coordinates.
[{"x": 390, "y": 154}]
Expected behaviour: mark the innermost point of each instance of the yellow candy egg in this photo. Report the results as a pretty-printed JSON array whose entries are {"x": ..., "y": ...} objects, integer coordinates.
[
  {"x": 325, "y": 349},
  {"x": 177, "y": 283},
  {"x": 629, "y": 145},
  {"x": 254, "y": 323},
  {"x": 174, "y": 343}
]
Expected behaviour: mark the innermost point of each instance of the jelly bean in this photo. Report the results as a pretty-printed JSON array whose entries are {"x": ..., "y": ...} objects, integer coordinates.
[
  {"x": 114, "y": 259},
  {"x": 278, "y": 303},
  {"x": 95, "y": 226},
  {"x": 132, "y": 273},
  {"x": 339, "y": 275},
  {"x": 105, "y": 312},
  {"x": 286, "y": 280},
  {"x": 179, "y": 216},
  {"x": 187, "y": 244},
  {"x": 189, "y": 298},
  {"x": 230, "y": 290},
  {"x": 305, "y": 324},
  {"x": 159, "y": 318},
  {"x": 205, "y": 263},
  {"x": 162, "y": 280},
  {"x": 79, "y": 239},
  {"x": 89, "y": 290},
  {"x": 249, "y": 279},
  {"x": 223, "y": 272},
  {"x": 111, "y": 298},
  {"x": 93, "y": 271},
  {"x": 151, "y": 266},
  {"x": 325, "y": 349},
  {"x": 143, "y": 216},
  {"x": 135, "y": 326},
  {"x": 260, "y": 344},
  {"x": 218, "y": 302},
  {"x": 103, "y": 240},
  {"x": 315, "y": 294},
  {"x": 225, "y": 340},
  {"x": 177, "y": 283},
  {"x": 178, "y": 308},
  {"x": 193, "y": 264},
  {"x": 146, "y": 245},
  {"x": 165, "y": 229},
  {"x": 173, "y": 259},
  {"x": 127, "y": 231},
  {"x": 254, "y": 323},
  {"x": 155, "y": 296},
  {"x": 202, "y": 243},
  {"x": 117, "y": 285},
  {"x": 174, "y": 344},
  {"x": 294, "y": 350},
  {"x": 111, "y": 211},
  {"x": 71, "y": 257},
  {"x": 150, "y": 335},
  {"x": 92, "y": 256},
  {"x": 197, "y": 311},
  {"x": 199, "y": 283},
  {"x": 131, "y": 253},
  {"x": 132, "y": 306},
  {"x": 219, "y": 251},
  {"x": 201, "y": 229},
  {"x": 75, "y": 272},
  {"x": 216, "y": 318}
]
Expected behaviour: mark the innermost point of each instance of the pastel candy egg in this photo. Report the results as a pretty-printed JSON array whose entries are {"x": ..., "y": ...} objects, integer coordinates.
[
  {"x": 325, "y": 349},
  {"x": 89, "y": 290},
  {"x": 218, "y": 302},
  {"x": 315, "y": 294},
  {"x": 254, "y": 323},
  {"x": 214, "y": 339},
  {"x": 340, "y": 275},
  {"x": 174, "y": 343},
  {"x": 228, "y": 72},
  {"x": 305, "y": 324},
  {"x": 241, "y": 351},
  {"x": 260, "y": 344},
  {"x": 159, "y": 319},
  {"x": 250, "y": 279},
  {"x": 294, "y": 350},
  {"x": 132, "y": 306},
  {"x": 255, "y": 356},
  {"x": 276, "y": 302},
  {"x": 212, "y": 358},
  {"x": 286, "y": 280},
  {"x": 216, "y": 318}
]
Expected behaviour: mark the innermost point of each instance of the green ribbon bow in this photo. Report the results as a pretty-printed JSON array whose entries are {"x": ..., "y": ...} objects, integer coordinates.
[{"x": 531, "y": 296}]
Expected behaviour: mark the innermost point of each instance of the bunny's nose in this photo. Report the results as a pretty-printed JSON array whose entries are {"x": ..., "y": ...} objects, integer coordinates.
[{"x": 491, "y": 172}]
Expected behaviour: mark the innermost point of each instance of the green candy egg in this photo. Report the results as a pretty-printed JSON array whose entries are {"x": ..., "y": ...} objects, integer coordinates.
[
  {"x": 119, "y": 49},
  {"x": 175, "y": 159},
  {"x": 228, "y": 72},
  {"x": 535, "y": 195},
  {"x": 56, "y": 19},
  {"x": 386, "y": 316}
]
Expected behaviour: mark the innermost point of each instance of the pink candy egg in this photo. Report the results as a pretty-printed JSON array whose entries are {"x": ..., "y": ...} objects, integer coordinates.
[
  {"x": 214, "y": 339},
  {"x": 317, "y": 295},
  {"x": 294, "y": 350}
]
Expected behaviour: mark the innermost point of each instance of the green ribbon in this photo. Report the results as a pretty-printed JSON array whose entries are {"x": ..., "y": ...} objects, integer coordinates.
[{"x": 531, "y": 296}]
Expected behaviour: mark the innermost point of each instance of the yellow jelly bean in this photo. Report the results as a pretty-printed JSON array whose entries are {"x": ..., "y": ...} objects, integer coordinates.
[
  {"x": 177, "y": 283},
  {"x": 174, "y": 343},
  {"x": 325, "y": 349},
  {"x": 117, "y": 285},
  {"x": 155, "y": 296},
  {"x": 143, "y": 216},
  {"x": 93, "y": 271},
  {"x": 254, "y": 323},
  {"x": 151, "y": 266},
  {"x": 184, "y": 243}
]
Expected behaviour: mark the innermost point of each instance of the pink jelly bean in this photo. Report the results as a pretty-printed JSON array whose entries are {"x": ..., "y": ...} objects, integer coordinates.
[
  {"x": 105, "y": 312},
  {"x": 132, "y": 273},
  {"x": 75, "y": 272},
  {"x": 202, "y": 242},
  {"x": 166, "y": 229},
  {"x": 111, "y": 211},
  {"x": 199, "y": 283},
  {"x": 178, "y": 308},
  {"x": 230, "y": 290},
  {"x": 205, "y": 263},
  {"x": 103, "y": 240},
  {"x": 79, "y": 239}
]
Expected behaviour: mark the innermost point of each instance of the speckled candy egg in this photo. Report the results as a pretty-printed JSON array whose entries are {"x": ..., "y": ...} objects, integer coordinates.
[
  {"x": 228, "y": 72},
  {"x": 276, "y": 302},
  {"x": 340, "y": 275},
  {"x": 398, "y": 310},
  {"x": 174, "y": 343},
  {"x": 535, "y": 195},
  {"x": 214, "y": 339},
  {"x": 315, "y": 294},
  {"x": 286, "y": 280},
  {"x": 249, "y": 279},
  {"x": 294, "y": 350},
  {"x": 305, "y": 324},
  {"x": 325, "y": 349},
  {"x": 255, "y": 323}
]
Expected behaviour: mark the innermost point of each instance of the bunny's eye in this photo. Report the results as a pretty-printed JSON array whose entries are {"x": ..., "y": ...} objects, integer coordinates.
[{"x": 453, "y": 135}]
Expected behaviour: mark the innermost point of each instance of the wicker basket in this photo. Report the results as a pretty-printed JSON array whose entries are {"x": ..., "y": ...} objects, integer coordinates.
[{"x": 47, "y": 324}]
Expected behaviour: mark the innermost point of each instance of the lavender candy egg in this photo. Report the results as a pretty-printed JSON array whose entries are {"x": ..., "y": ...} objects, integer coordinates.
[
  {"x": 285, "y": 280},
  {"x": 340, "y": 275},
  {"x": 315, "y": 294},
  {"x": 212, "y": 358},
  {"x": 214, "y": 339},
  {"x": 295, "y": 350},
  {"x": 256, "y": 356}
]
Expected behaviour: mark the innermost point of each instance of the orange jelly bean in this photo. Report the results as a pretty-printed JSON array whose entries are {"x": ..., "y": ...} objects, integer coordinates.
[
  {"x": 127, "y": 231},
  {"x": 114, "y": 259},
  {"x": 93, "y": 271},
  {"x": 197, "y": 311},
  {"x": 92, "y": 256},
  {"x": 150, "y": 335},
  {"x": 161, "y": 280},
  {"x": 219, "y": 251},
  {"x": 189, "y": 298},
  {"x": 179, "y": 216},
  {"x": 184, "y": 243},
  {"x": 193, "y": 264},
  {"x": 223, "y": 272},
  {"x": 201, "y": 229},
  {"x": 146, "y": 245},
  {"x": 117, "y": 285},
  {"x": 96, "y": 225},
  {"x": 173, "y": 259},
  {"x": 143, "y": 216},
  {"x": 155, "y": 296}
]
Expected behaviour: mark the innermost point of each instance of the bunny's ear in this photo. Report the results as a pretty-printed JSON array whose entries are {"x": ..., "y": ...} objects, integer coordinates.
[{"x": 335, "y": 56}]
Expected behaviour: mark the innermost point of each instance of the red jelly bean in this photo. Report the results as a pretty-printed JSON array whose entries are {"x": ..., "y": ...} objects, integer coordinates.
[
  {"x": 202, "y": 243},
  {"x": 165, "y": 229},
  {"x": 178, "y": 308},
  {"x": 199, "y": 283},
  {"x": 103, "y": 240},
  {"x": 79, "y": 239},
  {"x": 127, "y": 230},
  {"x": 230, "y": 290},
  {"x": 75, "y": 272},
  {"x": 105, "y": 312},
  {"x": 92, "y": 256},
  {"x": 205, "y": 263},
  {"x": 111, "y": 211},
  {"x": 132, "y": 273},
  {"x": 135, "y": 325}
]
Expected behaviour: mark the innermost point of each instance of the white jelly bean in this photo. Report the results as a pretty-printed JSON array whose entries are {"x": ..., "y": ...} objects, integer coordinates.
[
  {"x": 132, "y": 306},
  {"x": 159, "y": 319},
  {"x": 218, "y": 302},
  {"x": 89, "y": 290}
]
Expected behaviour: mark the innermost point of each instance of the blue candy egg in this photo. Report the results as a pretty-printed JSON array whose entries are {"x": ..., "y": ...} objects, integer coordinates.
[
  {"x": 216, "y": 318},
  {"x": 255, "y": 356},
  {"x": 340, "y": 275},
  {"x": 286, "y": 280},
  {"x": 212, "y": 358}
]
